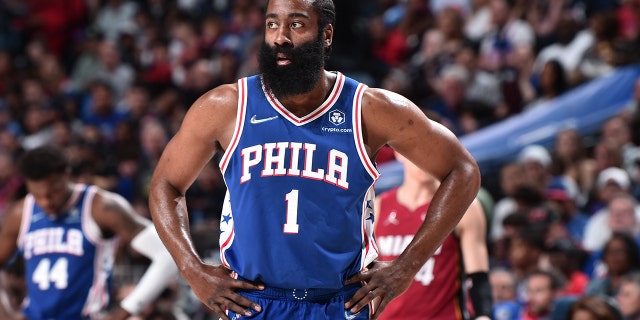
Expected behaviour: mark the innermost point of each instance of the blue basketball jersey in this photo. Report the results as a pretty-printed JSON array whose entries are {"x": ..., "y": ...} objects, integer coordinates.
[
  {"x": 68, "y": 265},
  {"x": 299, "y": 208}
]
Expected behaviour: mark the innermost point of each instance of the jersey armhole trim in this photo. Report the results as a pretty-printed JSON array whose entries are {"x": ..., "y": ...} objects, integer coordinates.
[
  {"x": 25, "y": 221},
  {"x": 89, "y": 225},
  {"x": 237, "y": 132},
  {"x": 359, "y": 140}
]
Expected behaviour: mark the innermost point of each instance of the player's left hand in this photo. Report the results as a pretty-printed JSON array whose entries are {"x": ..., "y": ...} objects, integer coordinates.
[{"x": 382, "y": 282}]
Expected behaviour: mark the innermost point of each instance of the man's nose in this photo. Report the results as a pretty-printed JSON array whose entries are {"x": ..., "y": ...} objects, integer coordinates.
[{"x": 283, "y": 37}]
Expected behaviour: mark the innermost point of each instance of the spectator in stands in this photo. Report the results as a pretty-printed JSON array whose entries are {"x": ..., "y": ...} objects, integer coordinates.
[
  {"x": 621, "y": 255},
  {"x": 536, "y": 162},
  {"x": 617, "y": 130},
  {"x": 569, "y": 47},
  {"x": 118, "y": 74},
  {"x": 114, "y": 17},
  {"x": 601, "y": 57},
  {"x": 610, "y": 181},
  {"x": 503, "y": 287},
  {"x": 570, "y": 160},
  {"x": 511, "y": 177},
  {"x": 562, "y": 197},
  {"x": 508, "y": 51},
  {"x": 628, "y": 297},
  {"x": 553, "y": 83},
  {"x": 593, "y": 308},
  {"x": 43, "y": 19},
  {"x": 451, "y": 88},
  {"x": 507, "y": 36},
  {"x": 478, "y": 22},
  {"x": 525, "y": 251},
  {"x": 86, "y": 65},
  {"x": 567, "y": 259},
  {"x": 484, "y": 86},
  {"x": 542, "y": 288},
  {"x": 619, "y": 213},
  {"x": 101, "y": 110}
]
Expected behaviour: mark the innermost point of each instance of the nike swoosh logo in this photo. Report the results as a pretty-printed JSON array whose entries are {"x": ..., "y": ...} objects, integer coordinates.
[
  {"x": 349, "y": 315},
  {"x": 256, "y": 121}
]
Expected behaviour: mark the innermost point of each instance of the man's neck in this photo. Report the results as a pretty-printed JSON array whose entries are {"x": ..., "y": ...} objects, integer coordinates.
[{"x": 305, "y": 103}]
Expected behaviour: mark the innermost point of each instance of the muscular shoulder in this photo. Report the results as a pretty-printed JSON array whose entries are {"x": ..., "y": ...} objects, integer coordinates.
[
  {"x": 113, "y": 213},
  {"x": 221, "y": 101},
  {"x": 387, "y": 116},
  {"x": 213, "y": 114}
]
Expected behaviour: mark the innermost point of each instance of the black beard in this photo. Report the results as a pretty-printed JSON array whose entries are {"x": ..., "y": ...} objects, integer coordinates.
[{"x": 298, "y": 77}]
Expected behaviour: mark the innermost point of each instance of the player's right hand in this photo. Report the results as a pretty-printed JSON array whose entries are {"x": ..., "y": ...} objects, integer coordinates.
[{"x": 216, "y": 288}]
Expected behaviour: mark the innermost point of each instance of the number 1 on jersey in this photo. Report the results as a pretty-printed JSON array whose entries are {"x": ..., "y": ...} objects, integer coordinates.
[{"x": 291, "y": 226}]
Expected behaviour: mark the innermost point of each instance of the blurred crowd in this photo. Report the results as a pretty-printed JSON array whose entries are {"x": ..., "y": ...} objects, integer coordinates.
[{"x": 110, "y": 80}]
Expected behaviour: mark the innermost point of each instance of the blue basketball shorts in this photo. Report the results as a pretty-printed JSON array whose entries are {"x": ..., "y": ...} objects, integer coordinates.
[{"x": 311, "y": 304}]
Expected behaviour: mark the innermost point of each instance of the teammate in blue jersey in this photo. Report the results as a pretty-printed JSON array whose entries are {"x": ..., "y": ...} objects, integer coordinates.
[
  {"x": 67, "y": 234},
  {"x": 296, "y": 239}
]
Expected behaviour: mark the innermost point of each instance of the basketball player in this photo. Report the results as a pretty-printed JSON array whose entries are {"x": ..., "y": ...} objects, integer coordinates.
[
  {"x": 438, "y": 290},
  {"x": 296, "y": 234},
  {"x": 67, "y": 235}
]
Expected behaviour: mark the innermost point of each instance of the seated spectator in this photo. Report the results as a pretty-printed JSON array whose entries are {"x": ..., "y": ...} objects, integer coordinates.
[
  {"x": 593, "y": 308},
  {"x": 567, "y": 259},
  {"x": 511, "y": 176},
  {"x": 570, "y": 160},
  {"x": 553, "y": 83},
  {"x": 503, "y": 291},
  {"x": 617, "y": 130},
  {"x": 543, "y": 288},
  {"x": 620, "y": 256},
  {"x": 606, "y": 154},
  {"x": 525, "y": 251},
  {"x": 620, "y": 215},
  {"x": 561, "y": 196},
  {"x": 536, "y": 161},
  {"x": 628, "y": 297}
]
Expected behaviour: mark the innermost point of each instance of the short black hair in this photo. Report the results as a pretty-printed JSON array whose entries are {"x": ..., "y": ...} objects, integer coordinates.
[
  {"x": 326, "y": 11},
  {"x": 42, "y": 162}
]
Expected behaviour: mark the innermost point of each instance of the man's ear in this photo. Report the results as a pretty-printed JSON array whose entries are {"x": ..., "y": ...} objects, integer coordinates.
[{"x": 328, "y": 35}]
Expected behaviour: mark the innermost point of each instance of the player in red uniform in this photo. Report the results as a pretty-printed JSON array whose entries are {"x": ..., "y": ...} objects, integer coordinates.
[{"x": 438, "y": 290}]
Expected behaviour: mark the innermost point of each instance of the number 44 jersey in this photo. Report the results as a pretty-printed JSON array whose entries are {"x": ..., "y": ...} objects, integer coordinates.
[
  {"x": 299, "y": 211},
  {"x": 68, "y": 266}
]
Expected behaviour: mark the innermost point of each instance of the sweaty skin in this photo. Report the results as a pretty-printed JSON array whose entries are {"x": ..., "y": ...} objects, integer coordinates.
[{"x": 388, "y": 118}]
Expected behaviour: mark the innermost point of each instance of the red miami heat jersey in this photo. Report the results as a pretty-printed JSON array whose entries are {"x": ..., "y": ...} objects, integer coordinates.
[
  {"x": 436, "y": 291},
  {"x": 299, "y": 211}
]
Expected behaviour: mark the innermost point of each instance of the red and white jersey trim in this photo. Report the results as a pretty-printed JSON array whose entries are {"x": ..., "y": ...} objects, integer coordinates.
[
  {"x": 241, "y": 114},
  {"x": 322, "y": 109}
]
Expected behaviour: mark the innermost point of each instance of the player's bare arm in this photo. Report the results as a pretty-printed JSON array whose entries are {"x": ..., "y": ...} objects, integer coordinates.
[
  {"x": 116, "y": 217},
  {"x": 9, "y": 229},
  {"x": 209, "y": 122},
  {"x": 389, "y": 118},
  {"x": 472, "y": 231}
]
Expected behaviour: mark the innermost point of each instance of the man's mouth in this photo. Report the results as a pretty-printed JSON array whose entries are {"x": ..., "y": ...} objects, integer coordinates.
[{"x": 282, "y": 59}]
